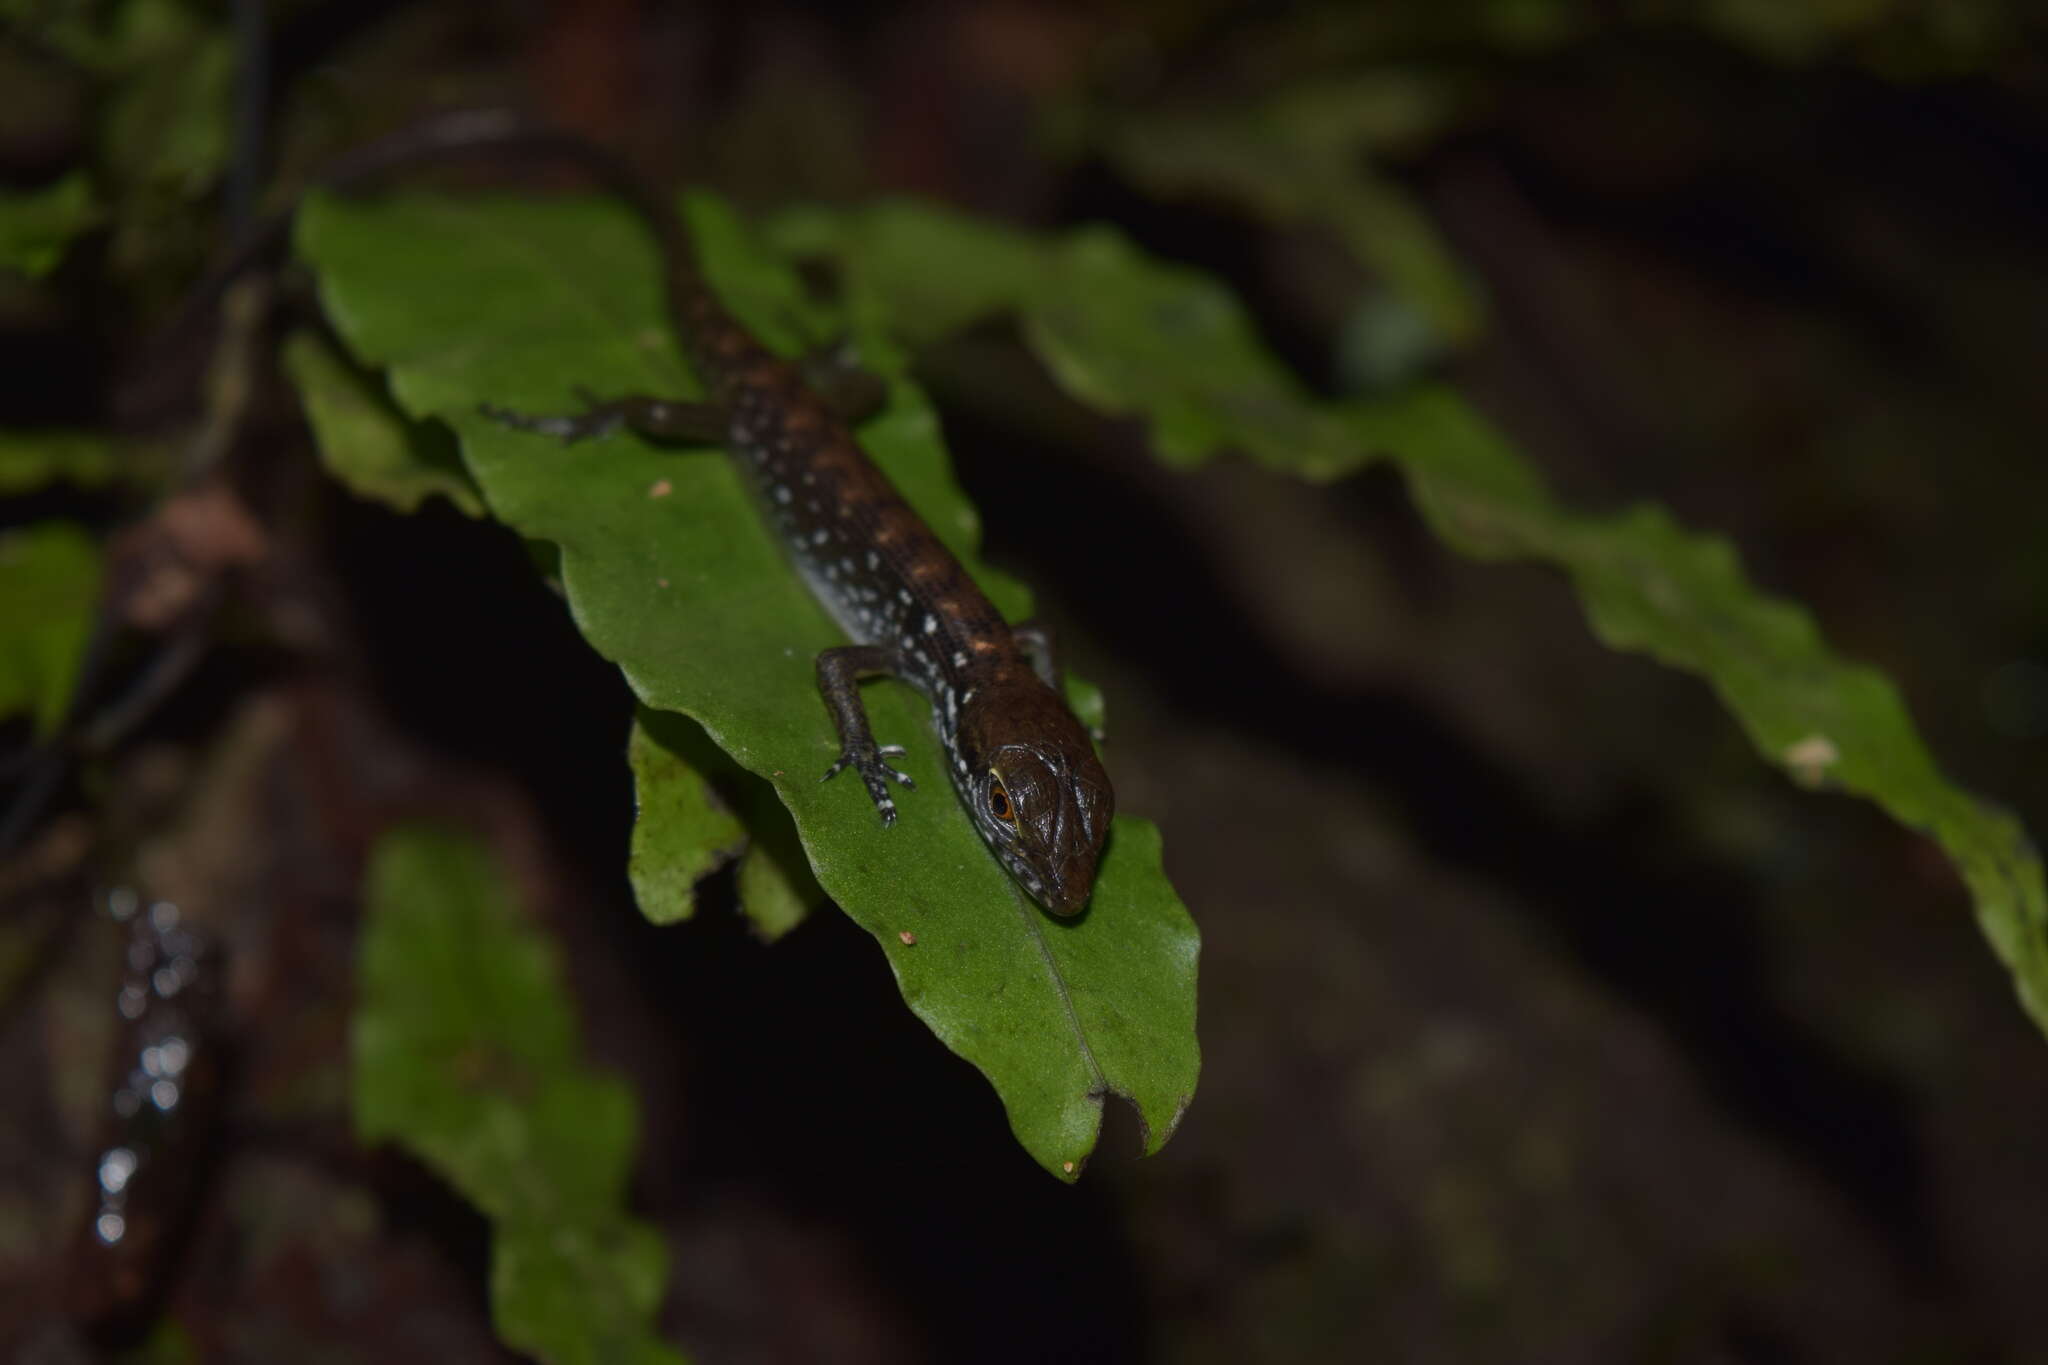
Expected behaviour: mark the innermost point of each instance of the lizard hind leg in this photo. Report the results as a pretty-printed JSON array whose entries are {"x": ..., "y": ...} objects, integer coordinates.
[
  {"x": 1042, "y": 647},
  {"x": 835, "y": 374}
]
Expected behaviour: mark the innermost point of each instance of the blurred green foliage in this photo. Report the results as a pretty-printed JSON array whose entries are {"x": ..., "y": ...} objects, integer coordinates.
[
  {"x": 49, "y": 592},
  {"x": 466, "y": 1053},
  {"x": 37, "y": 225},
  {"x": 31, "y": 460}
]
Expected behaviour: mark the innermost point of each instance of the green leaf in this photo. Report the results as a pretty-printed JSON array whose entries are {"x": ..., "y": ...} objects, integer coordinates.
[
  {"x": 465, "y": 1052},
  {"x": 671, "y": 572},
  {"x": 1122, "y": 333},
  {"x": 1135, "y": 337},
  {"x": 569, "y": 1293},
  {"x": 699, "y": 810},
  {"x": 67, "y": 27},
  {"x": 168, "y": 120},
  {"x": 165, "y": 120},
  {"x": 683, "y": 830},
  {"x": 37, "y": 225},
  {"x": 49, "y": 592},
  {"x": 365, "y": 442},
  {"x": 1303, "y": 158},
  {"x": 35, "y": 459}
]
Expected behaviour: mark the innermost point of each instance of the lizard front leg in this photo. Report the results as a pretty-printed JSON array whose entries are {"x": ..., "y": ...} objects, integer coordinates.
[
  {"x": 663, "y": 419},
  {"x": 839, "y": 672}
]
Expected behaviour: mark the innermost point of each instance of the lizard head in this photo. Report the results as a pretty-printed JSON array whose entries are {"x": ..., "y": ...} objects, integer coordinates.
[{"x": 1028, "y": 775}]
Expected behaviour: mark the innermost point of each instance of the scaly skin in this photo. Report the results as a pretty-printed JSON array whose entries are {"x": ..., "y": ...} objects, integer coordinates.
[{"x": 1023, "y": 766}]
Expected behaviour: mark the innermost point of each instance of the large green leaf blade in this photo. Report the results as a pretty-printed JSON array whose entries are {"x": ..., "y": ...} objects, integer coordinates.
[
  {"x": 465, "y": 1052},
  {"x": 670, "y": 571},
  {"x": 1134, "y": 336}
]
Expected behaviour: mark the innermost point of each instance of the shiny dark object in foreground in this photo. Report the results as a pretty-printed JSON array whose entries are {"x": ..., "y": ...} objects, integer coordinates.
[{"x": 151, "y": 1152}]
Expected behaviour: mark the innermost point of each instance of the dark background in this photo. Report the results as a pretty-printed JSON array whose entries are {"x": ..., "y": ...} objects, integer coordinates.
[{"x": 1541, "y": 1020}]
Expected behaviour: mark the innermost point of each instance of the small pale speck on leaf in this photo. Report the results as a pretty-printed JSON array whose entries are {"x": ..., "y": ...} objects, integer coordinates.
[
  {"x": 1067, "y": 1166},
  {"x": 661, "y": 489},
  {"x": 663, "y": 582},
  {"x": 907, "y": 937},
  {"x": 1810, "y": 759}
]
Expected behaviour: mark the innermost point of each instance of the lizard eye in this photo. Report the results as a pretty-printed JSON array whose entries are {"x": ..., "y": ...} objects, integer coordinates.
[{"x": 999, "y": 802}]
